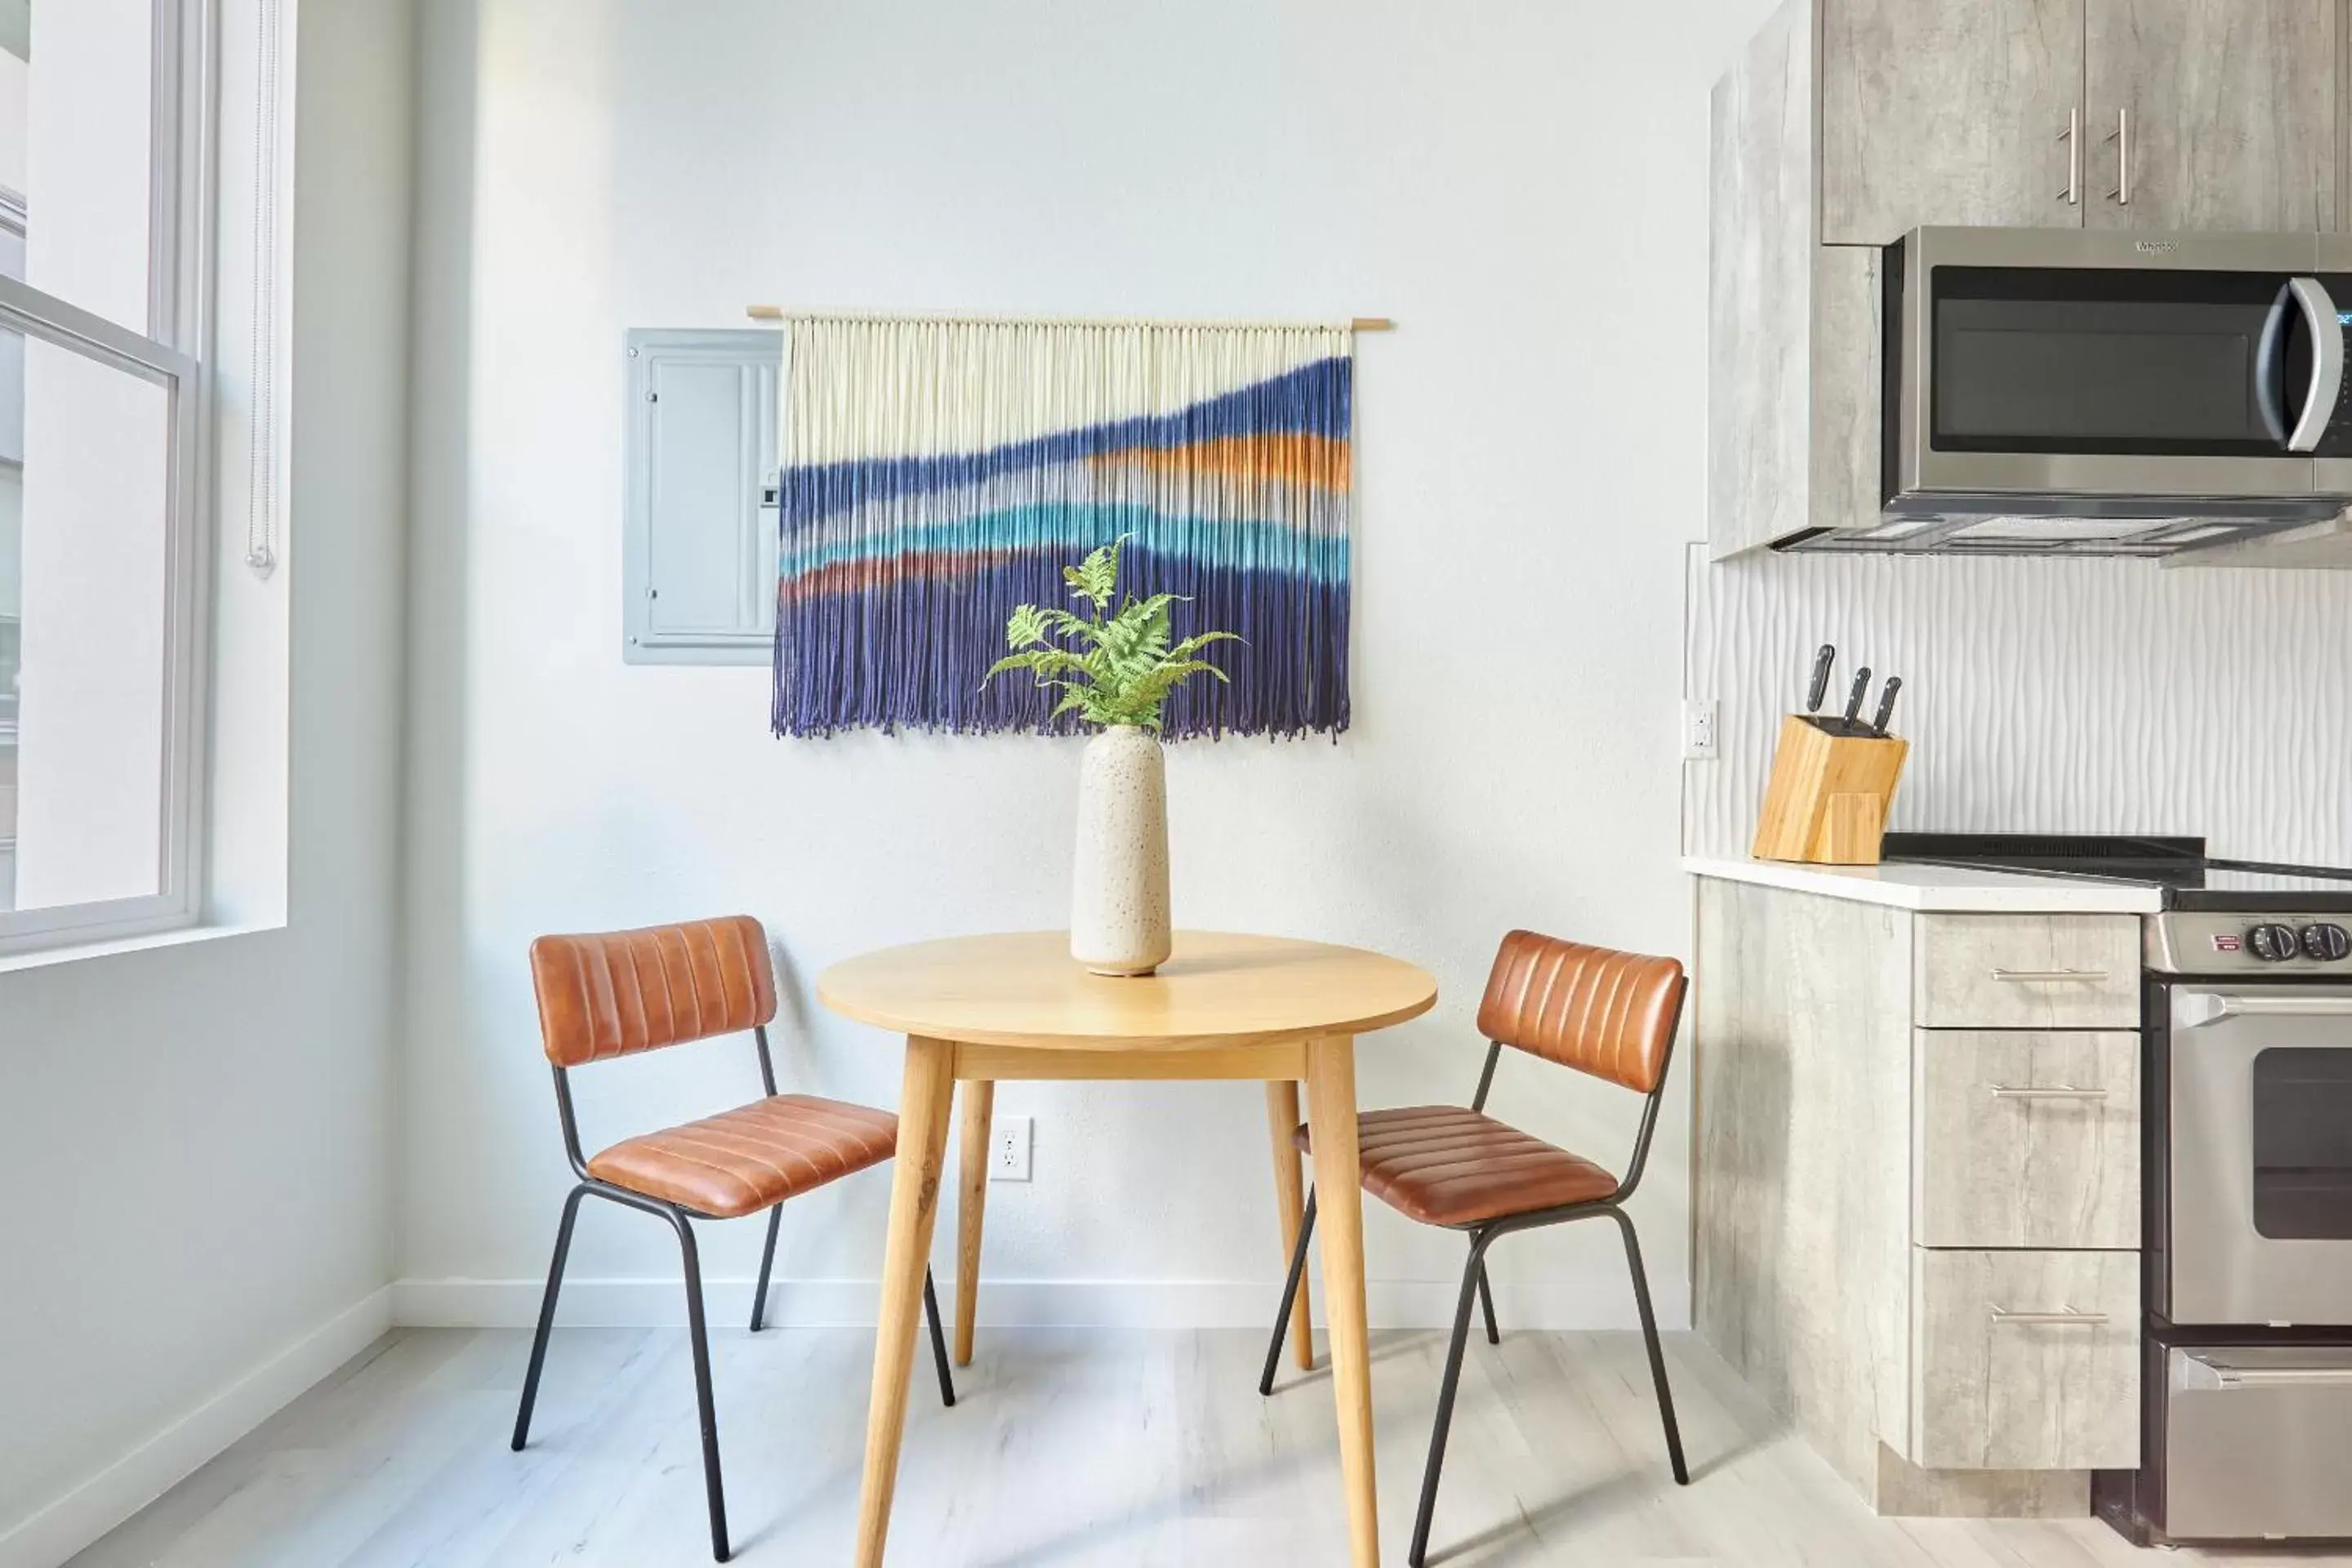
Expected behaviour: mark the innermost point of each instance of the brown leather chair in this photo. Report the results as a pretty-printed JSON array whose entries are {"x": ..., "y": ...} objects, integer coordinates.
[
  {"x": 619, "y": 992},
  {"x": 1611, "y": 1014}
]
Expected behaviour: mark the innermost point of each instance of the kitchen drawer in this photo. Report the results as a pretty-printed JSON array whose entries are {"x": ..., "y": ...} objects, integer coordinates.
[
  {"x": 2254, "y": 1442},
  {"x": 2026, "y": 971},
  {"x": 2025, "y": 1138},
  {"x": 2024, "y": 1361}
]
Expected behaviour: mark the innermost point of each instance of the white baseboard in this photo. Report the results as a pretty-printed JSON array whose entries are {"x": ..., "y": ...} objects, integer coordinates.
[
  {"x": 660, "y": 1302},
  {"x": 57, "y": 1530}
]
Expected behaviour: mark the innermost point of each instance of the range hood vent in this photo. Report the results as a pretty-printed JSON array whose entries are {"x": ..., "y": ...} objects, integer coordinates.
[{"x": 2021, "y": 534}]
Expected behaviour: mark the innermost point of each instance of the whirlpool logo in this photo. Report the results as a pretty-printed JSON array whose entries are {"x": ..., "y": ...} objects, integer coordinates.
[{"x": 2156, "y": 246}]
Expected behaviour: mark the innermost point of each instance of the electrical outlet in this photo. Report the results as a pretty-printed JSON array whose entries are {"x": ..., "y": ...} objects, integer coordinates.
[
  {"x": 1699, "y": 730},
  {"x": 1010, "y": 1162}
]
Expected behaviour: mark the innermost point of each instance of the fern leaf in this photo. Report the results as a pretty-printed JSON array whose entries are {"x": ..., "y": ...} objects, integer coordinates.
[
  {"x": 1061, "y": 623},
  {"x": 1095, "y": 578},
  {"x": 1194, "y": 644}
]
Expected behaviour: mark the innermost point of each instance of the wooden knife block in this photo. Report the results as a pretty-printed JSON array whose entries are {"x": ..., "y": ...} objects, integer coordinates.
[{"x": 1829, "y": 794}]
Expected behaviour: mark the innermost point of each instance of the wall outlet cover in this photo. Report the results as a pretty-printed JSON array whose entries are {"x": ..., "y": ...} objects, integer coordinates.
[
  {"x": 1010, "y": 1161},
  {"x": 1700, "y": 730}
]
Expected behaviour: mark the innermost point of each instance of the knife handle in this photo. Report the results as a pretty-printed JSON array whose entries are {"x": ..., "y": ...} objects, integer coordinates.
[
  {"x": 1821, "y": 682},
  {"x": 1886, "y": 705},
  {"x": 1854, "y": 700}
]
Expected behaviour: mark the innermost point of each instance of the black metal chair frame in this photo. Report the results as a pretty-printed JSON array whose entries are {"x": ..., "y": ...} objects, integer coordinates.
[
  {"x": 1482, "y": 1235},
  {"x": 679, "y": 1219}
]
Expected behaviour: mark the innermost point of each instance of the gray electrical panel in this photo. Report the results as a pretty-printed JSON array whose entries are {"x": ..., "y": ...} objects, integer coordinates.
[{"x": 698, "y": 511}]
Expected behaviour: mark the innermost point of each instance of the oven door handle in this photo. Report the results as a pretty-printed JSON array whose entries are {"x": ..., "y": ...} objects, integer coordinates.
[
  {"x": 2310, "y": 297},
  {"x": 2226, "y": 1378},
  {"x": 2209, "y": 1008}
]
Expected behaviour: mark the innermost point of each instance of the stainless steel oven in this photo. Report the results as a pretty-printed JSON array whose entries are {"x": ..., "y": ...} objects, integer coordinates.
[{"x": 2260, "y": 1139}]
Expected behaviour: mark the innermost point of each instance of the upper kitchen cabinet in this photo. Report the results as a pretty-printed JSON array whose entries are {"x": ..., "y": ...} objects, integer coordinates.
[
  {"x": 1938, "y": 113},
  {"x": 2212, "y": 114}
]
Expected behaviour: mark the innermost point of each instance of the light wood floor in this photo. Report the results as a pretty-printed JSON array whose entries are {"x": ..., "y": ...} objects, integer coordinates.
[{"x": 1069, "y": 1450}]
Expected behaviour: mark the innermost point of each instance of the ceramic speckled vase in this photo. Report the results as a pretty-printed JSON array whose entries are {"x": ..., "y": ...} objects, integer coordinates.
[{"x": 1118, "y": 893}]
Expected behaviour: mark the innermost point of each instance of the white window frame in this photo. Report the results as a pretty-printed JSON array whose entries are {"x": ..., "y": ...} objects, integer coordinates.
[{"x": 177, "y": 354}]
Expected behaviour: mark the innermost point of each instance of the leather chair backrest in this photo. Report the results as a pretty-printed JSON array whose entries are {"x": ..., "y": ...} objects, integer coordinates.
[
  {"x": 612, "y": 993},
  {"x": 1600, "y": 1011}
]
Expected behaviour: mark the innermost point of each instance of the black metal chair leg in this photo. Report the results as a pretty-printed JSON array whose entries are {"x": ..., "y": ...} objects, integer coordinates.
[
  {"x": 939, "y": 1341},
  {"x": 546, "y": 1316},
  {"x": 767, "y": 1262},
  {"x": 1454, "y": 1347},
  {"x": 700, "y": 1338},
  {"x": 1289, "y": 1295},
  {"x": 1650, "y": 1337},
  {"x": 1486, "y": 1304}
]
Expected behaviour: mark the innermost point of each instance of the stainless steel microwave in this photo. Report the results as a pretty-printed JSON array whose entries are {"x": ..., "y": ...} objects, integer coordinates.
[{"x": 2083, "y": 391}]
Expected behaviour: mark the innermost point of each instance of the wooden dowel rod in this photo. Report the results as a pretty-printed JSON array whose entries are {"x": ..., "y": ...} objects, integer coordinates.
[{"x": 1360, "y": 324}]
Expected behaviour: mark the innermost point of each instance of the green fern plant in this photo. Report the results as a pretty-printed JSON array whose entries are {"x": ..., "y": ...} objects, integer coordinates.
[{"x": 1112, "y": 667}]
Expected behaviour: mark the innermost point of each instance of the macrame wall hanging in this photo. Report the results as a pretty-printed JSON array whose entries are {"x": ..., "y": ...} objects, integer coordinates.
[{"x": 939, "y": 472}]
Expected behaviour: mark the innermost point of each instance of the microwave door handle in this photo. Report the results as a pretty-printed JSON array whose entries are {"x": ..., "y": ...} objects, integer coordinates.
[
  {"x": 2327, "y": 362},
  {"x": 2270, "y": 373}
]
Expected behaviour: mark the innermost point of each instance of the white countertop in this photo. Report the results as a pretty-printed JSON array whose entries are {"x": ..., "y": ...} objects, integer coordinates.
[{"x": 1948, "y": 889}]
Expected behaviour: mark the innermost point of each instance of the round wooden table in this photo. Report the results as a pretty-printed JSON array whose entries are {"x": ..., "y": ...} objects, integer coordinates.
[{"x": 985, "y": 1008}]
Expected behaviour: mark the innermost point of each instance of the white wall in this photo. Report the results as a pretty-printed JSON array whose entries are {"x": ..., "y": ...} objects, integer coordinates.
[
  {"x": 1521, "y": 185},
  {"x": 196, "y": 1137}
]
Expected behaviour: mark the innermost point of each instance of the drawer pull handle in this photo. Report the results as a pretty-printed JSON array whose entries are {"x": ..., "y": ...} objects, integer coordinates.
[
  {"x": 2040, "y": 976},
  {"x": 2002, "y": 1315},
  {"x": 2056, "y": 1091}
]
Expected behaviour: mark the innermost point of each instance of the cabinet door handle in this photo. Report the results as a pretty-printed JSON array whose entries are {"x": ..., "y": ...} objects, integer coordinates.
[
  {"x": 2042, "y": 976},
  {"x": 2073, "y": 194},
  {"x": 2002, "y": 1315},
  {"x": 2056, "y": 1091},
  {"x": 2123, "y": 157}
]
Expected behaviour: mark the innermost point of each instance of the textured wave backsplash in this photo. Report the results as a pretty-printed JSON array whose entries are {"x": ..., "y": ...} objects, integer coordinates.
[{"x": 2045, "y": 696}]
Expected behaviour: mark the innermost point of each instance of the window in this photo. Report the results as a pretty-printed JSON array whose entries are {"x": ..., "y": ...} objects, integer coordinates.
[{"x": 103, "y": 527}]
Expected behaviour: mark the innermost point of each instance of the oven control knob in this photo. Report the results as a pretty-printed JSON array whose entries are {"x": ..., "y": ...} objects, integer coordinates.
[
  {"x": 2274, "y": 943},
  {"x": 2327, "y": 943}
]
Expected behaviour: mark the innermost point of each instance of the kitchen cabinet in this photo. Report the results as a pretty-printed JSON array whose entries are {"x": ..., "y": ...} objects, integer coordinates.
[
  {"x": 2028, "y": 971},
  {"x": 2155, "y": 114},
  {"x": 1937, "y": 1282},
  {"x": 1932, "y": 112},
  {"x": 2025, "y": 1360},
  {"x": 2212, "y": 114},
  {"x": 2025, "y": 1138}
]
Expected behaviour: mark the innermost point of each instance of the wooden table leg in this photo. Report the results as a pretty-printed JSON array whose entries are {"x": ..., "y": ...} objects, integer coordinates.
[
  {"x": 1332, "y": 1111},
  {"x": 971, "y": 1209},
  {"x": 923, "y": 1105},
  {"x": 1290, "y": 1205}
]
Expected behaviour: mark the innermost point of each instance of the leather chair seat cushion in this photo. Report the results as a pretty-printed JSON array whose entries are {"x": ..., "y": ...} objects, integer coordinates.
[
  {"x": 1443, "y": 1165},
  {"x": 741, "y": 1162}
]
